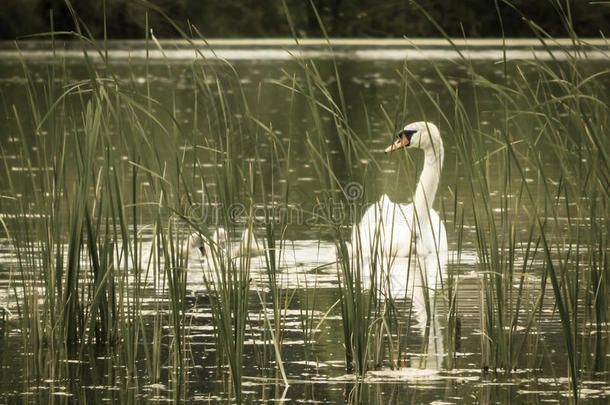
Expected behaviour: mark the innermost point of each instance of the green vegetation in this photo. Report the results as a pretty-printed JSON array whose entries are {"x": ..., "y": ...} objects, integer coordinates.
[
  {"x": 89, "y": 264},
  {"x": 361, "y": 18}
]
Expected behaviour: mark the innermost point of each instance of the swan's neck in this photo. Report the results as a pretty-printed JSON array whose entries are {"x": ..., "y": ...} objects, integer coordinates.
[{"x": 428, "y": 184}]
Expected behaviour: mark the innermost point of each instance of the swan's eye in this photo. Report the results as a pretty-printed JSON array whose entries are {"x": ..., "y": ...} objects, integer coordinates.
[{"x": 408, "y": 133}]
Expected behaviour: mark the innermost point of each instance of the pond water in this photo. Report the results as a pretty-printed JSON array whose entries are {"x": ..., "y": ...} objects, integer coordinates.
[{"x": 377, "y": 103}]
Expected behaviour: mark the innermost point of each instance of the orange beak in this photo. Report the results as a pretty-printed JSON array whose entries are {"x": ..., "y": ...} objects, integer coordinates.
[{"x": 401, "y": 142}]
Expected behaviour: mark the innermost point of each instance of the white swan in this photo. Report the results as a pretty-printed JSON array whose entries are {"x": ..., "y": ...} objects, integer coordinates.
[
  {"x": 249, "y": 245},
  {"x": 397, "y": 235},
  {"x": 201, "y": 244}
]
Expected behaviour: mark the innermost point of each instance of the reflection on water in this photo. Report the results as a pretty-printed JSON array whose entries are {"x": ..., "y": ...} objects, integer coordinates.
[{"x": 321, "y": 378}]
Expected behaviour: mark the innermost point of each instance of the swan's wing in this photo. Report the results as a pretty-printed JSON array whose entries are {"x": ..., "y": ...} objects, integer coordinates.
[
  {"x": 385, "y": 227},
  {"x": 249, "y": 244}
]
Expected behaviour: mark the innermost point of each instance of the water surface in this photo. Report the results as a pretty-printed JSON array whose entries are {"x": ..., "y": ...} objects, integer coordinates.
[{"x": 373, "y": 87}]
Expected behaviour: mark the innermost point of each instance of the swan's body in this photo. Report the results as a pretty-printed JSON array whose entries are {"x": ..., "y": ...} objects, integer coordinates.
[
  {"x": 388, "y": 228},
  {"x": 389, "y": 232},
  {"x": 249, "y": 245}
]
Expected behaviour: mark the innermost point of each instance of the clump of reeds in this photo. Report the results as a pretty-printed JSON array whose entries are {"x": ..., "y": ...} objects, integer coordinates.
[
  {"x": 549, "y": 112},
  {"x": 93, "y": 172}
]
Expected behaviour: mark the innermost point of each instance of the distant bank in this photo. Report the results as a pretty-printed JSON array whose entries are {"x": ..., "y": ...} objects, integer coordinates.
[{"x": 283, "y": 49}]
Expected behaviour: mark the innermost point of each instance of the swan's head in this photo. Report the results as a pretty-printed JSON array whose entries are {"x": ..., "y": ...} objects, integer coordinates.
[
  {"x": 197, "y": 242},
  {"x": 423, "y": 135}
]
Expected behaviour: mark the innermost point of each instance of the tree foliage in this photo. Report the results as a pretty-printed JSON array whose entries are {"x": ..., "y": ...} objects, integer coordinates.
[{"x": 341, "y": 18}]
